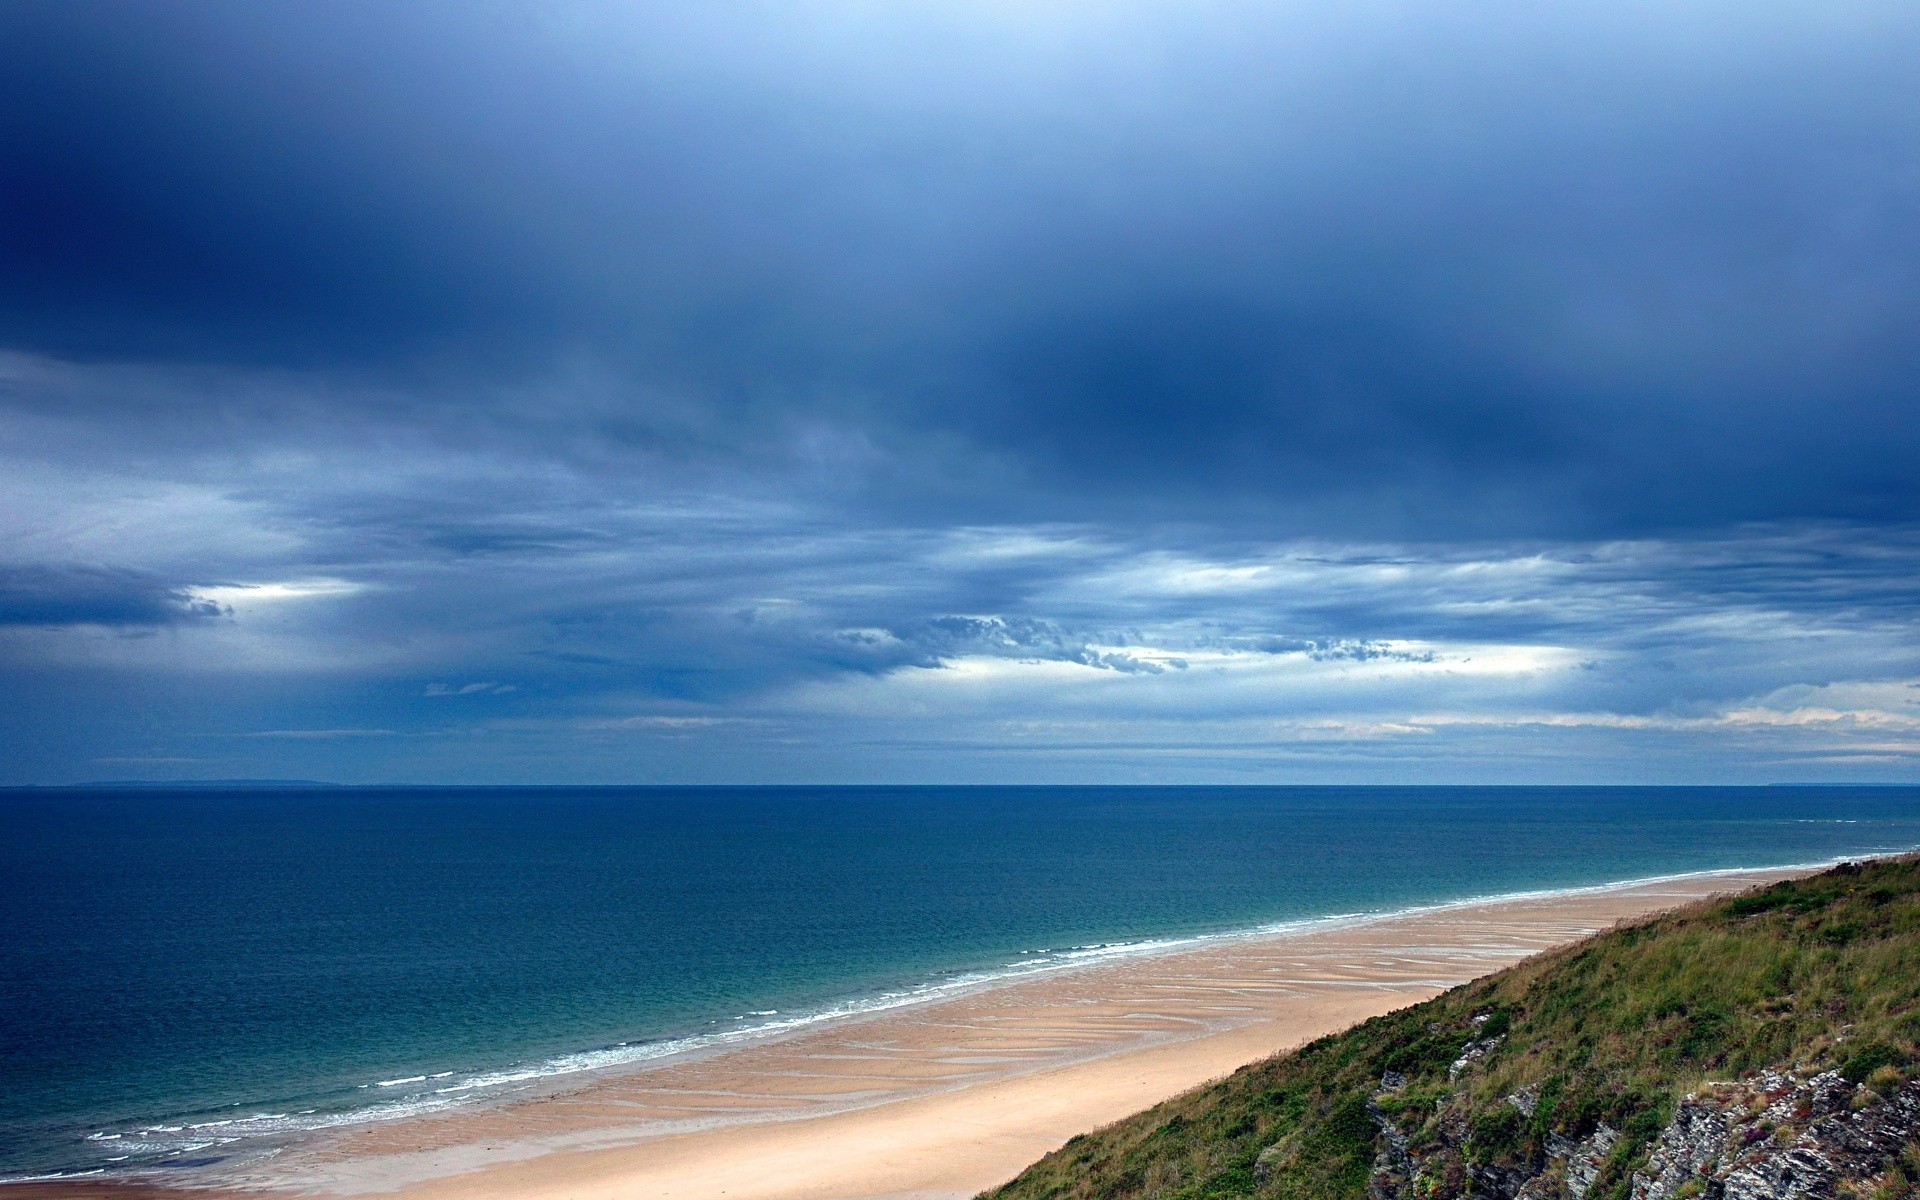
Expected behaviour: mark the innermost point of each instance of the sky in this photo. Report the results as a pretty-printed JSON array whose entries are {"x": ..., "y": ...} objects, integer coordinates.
[{"x": 1398, "y": 391}]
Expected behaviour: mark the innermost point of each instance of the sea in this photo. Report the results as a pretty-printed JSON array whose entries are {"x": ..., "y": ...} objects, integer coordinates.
[{"x": 192, "y": 976}]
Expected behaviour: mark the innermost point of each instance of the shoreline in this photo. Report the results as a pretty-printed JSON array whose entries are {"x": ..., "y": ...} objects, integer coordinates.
[
  {"x": 516, "y": 1082},
  {"x": 1072, "y": 1045}
]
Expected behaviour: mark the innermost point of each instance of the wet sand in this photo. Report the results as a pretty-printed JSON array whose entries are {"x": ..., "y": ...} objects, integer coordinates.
[{"x": 944, "y": 1099}]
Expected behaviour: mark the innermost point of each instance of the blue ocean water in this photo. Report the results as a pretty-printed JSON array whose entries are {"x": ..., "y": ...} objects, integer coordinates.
[{"x": 188, "y": 975}]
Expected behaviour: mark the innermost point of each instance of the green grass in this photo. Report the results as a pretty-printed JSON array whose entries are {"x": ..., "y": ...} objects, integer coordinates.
[{"x": 1822, "y": 972}]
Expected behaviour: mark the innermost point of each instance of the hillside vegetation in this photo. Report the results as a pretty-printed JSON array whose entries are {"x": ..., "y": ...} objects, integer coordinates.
[{"x": 1563, "y": 1075}]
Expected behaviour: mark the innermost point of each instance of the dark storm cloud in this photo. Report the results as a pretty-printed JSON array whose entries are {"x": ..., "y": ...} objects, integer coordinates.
[
  {"x": 1406, "y": 270},
  {"x": 77, "y": 595}
]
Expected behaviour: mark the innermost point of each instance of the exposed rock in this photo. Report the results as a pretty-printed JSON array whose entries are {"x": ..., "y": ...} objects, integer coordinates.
[
  {"x": 1778, "y": 1138},
  {"x": 1550, "y": 1184},
  {"x": 1694, "y": 1139},
  {"x": 1454, "y": 1126},
  {"x": 1493, "y": 1180},
  {"x": 1263, "y": 1163},
  {"x": 1393, "y": 1168},
  {"x": 1526, "y": 1099},
  {"x": 1586, "y": 1158},
  {"x": 1787, "y": 1175},
  {"x": 1473, "y": 1053},
  {"x": 1773, "y": 1137}
]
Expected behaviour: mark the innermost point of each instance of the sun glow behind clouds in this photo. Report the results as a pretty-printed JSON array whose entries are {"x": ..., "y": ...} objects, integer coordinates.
[
  {"x": 249, "y": 598},
  {"x": 1202, "y": 683}
]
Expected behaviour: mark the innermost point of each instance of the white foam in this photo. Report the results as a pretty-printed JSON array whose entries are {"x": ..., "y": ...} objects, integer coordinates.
[{"x": 52, "y": 1175}]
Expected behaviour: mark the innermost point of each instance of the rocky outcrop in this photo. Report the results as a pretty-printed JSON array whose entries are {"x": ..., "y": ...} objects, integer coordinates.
[
  {"x": 1585, "y": 1157},
  {"x": 1264, "y": 1163},
  {"x": 1472, "y": 1053},
  {"x": 1774, "y": 1137},
  {"x": 1393, "y": 1163},
  {"x": 1779, "y": 1138},
  {"x": 1526, "y": 1099}
]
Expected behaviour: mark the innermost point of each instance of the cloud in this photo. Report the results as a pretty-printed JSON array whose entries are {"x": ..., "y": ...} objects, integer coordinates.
[
  {"x": 149, "y": 761},
  {"x": 835, "y": 388},
  {"x": 487, "y": 688},
  {"x": 1397, "y": 271},
  {"x": 320, "y": 734},
  {"x": 69, "y": 595}
]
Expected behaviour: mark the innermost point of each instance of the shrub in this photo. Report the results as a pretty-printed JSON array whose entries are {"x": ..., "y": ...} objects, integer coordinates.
[
  {"x": 1498, "y": 1131},
  {"x": 1868, "y": 1059}
]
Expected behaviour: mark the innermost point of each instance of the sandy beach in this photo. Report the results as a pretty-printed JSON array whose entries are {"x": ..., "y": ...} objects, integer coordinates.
[{"x": 938, "y": 1101}]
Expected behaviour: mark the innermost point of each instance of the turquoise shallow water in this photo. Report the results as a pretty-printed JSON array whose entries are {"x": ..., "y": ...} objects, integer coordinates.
[{"x": 188, "y": 976}]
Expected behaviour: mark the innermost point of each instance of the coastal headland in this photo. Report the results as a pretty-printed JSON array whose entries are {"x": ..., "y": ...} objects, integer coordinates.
[{"x": 947, "y": 1098}]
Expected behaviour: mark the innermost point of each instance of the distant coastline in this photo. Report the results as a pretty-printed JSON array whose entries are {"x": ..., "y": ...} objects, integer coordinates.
[{"x": 193, "y": 784}]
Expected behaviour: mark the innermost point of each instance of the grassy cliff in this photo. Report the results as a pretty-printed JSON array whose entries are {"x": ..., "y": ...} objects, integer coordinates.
[{"x": 1557, "y": 1076}]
